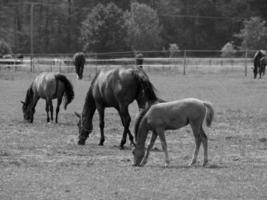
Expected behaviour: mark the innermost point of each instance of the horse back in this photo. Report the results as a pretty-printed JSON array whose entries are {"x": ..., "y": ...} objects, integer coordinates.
[
  {"x": 176, "y": 114},
  {"x": 45, "y": 85},
  {"x": 115, "y": 86}
]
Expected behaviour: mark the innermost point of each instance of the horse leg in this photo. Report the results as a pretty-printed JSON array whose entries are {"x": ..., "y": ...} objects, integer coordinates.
[
  {"x": 152, "y": 141},
  {"x": 164, "y": 146},
  {"x": 51, "y": 109},
  {"x": 204, "y": 140},
  {"x": 255, "y": 72},
  {"x": 126, "y": 120},
  {"x": 196, "y": 132},
  {"x": 59, "y": 100},
  {"x": 101, "y": 112},
  {"x": 47, "y": 111}
]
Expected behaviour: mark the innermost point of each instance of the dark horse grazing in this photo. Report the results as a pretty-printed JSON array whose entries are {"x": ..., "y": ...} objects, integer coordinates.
[
  {"x": 170, "y": 116},
  {"x": 48, "y": 86},
  {"x": 115, "y": 88},
  {"x": 79, "y": 61},
  {"x": 257, "y": 63}
]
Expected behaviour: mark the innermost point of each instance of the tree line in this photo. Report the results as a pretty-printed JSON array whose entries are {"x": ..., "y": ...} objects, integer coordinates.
[{"x": 68, "y": 26}]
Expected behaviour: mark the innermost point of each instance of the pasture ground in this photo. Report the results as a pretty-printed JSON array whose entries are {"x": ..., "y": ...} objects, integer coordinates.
[{"x": 42, "y": 161}]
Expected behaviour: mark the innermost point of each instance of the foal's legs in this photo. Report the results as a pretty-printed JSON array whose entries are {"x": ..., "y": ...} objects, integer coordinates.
[
  {"x": 152, "y": 141},
  {"x": 101, "y": 112},
  {"x": 196, "y": 132},
  {"x": 204, "y": 140},
  {"x": 59, "y": 100},
  {"x": 164, "y": 146},
  {"x": 126, "y": 120}
]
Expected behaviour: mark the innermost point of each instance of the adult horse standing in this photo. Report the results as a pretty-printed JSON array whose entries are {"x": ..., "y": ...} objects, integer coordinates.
[
  {"x": 256, "y": 61},
  {"x": 115, "y": 88},
  {"x": 79, "y": 61},
  {"x": 170, "y": 116},
  {"x": 48, "y": 86}
]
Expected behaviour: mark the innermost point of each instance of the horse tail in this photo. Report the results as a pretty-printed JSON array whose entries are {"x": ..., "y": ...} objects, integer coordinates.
[
  {"x": 209, "y": 113},
  {"x": 144, "y": 83},
  {"x": 138, "y": 120},
  {"x": 68, "y": 93}
]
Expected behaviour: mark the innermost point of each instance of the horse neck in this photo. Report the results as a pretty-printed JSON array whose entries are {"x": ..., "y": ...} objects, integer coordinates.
[
  {"x": 142, "y": 134},
  {"x": 29, "y": 96},
  {"x": 89, "y": 107}
]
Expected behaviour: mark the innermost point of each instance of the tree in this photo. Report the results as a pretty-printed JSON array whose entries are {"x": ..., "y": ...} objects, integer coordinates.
[
  {"x": 254, "y": 34},
  {"x": 143, "y": 28},
  {"x": 104, "y": 29}
]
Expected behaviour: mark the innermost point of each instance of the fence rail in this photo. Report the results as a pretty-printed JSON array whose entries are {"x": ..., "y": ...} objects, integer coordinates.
[{"x": 183, "y": 61}]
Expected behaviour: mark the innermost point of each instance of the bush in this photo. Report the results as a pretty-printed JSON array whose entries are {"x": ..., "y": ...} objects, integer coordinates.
[
  {"x": 228, "y": 50},
  {"x": 174, "y": 50},
  {"x": 4, "y": 48}
]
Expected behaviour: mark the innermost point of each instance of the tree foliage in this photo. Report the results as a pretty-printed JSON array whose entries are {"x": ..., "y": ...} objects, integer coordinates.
[
  {"x": 254, "y": 34},
  {"x": 104, "y": 29},
  {"x": 143, "y": 28},
  {"x": 58, "y": 25},
  {"x": 4, "y": 48}
]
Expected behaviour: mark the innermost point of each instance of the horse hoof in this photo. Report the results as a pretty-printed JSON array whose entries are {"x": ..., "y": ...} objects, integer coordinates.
[
  {"x": 81, "y": 142},
  {"x": 205, "y": 163}
]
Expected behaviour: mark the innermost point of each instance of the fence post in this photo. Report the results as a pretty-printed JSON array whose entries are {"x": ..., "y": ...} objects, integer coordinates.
[
  {"x": 246, "y": 64},
  {"x": 184, "y": 62}
]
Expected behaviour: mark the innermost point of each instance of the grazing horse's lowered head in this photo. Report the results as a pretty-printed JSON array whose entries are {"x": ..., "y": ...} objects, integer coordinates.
[{"x": 79, "y": 61}]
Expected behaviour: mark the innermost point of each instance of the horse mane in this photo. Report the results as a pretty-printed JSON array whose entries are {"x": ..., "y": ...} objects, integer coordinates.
[
  {"x": 29, "y": 95},
  {"x": 89, "y": 99},
  {"x": 144, "y": 83},
  {"x": 138, "y": 120}
]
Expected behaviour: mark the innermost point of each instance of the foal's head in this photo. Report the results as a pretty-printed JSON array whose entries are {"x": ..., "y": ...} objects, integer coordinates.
[{"x": 138, "y": 156}]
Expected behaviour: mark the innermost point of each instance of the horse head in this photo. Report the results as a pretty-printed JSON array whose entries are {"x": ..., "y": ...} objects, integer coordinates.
[
  {"x": 84, "y": 131},
  {"x": 27, "y": 112},
  {"x": 138, "y": 156}
]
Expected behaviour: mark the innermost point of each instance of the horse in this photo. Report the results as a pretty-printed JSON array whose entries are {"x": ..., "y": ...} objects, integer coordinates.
[
  {"x": 262, "y": 66},
  {"x": 170, "y": 116},
  {"x": 48, "y": 86},
  {"x": 256, "y": 61},
  {"x": 115, "y": 88},
  {"x": 79, "y": 61},
  {"x": 139, "y": 60}
]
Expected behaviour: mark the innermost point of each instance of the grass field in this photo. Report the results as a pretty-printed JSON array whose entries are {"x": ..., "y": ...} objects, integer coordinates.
[{"x": 42, "y": 161}]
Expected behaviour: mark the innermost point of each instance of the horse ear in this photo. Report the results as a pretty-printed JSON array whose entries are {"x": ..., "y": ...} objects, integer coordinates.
[
  {"x": 78, "y": 115},
  {"x": 22, "y": 102}
]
